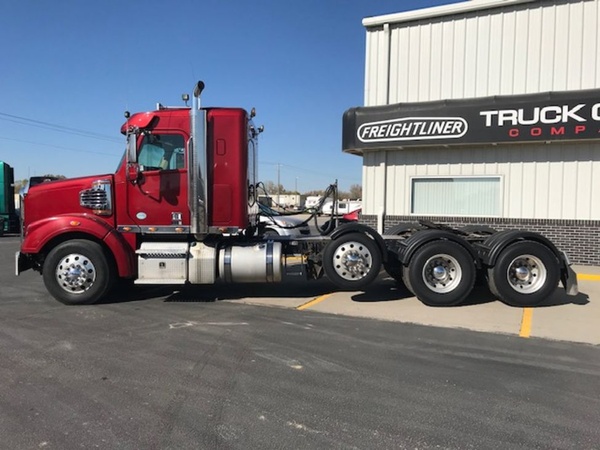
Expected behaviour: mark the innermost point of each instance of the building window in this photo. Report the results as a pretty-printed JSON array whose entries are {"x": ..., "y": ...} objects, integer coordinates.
[{"x": 456, "y": 196}]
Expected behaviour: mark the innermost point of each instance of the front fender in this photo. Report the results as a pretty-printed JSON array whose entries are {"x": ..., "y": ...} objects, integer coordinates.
[{"x": 40, "y": 235}]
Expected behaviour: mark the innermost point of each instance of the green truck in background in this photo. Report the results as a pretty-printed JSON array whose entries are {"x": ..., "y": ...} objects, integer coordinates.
[{"x": 9, "y": 220}]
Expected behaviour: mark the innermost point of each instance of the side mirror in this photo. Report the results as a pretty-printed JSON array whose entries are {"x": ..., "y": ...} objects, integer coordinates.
[
  {"x": 131, "y": 150},
  {"x": 133, "y": 172},
  {"x": 133, "y": 168}
]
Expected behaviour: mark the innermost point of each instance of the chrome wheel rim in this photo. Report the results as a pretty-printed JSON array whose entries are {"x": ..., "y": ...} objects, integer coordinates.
[
  {"x": 75, "y": 273},
  {"x": 526, "y": 274},
  {"x": 442, "y": 273},
  {"x": 352, "y": 261}
]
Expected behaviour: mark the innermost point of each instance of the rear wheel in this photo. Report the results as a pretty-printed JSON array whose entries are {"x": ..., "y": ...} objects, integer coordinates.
[
  {"x": 352, "y": 261},
  {"x": 526, "y": 273},
  {"x": 78, "y": 272},
  {"x": 441, "y": 273}
]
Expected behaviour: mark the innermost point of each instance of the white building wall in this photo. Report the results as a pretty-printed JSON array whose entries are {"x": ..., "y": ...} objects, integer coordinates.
[
  {"x": 525, "y": 47},
  {"x": 540, "y": 181}
]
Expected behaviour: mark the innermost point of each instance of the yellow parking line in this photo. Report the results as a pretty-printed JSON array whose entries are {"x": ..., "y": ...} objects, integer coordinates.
[
  {"x": 526, "y": 323},
  {"x": 313, "y": 302},
  {"x": 588, "y": 277}
]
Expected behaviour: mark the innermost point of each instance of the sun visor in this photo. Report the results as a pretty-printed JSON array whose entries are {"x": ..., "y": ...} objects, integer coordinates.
[{"x": 140, "y": 120}]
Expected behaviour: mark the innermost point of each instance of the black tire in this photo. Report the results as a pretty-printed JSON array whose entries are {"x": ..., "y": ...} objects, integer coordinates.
[
  {"x": 78, "y": 272},
  {"x": 352, "y": 261},
  {"x": 270, "y": 232},
  {"x": 393, "y": 267},
  {"x": 526, "y": 273},
  {"x": 449, "y": 270}
]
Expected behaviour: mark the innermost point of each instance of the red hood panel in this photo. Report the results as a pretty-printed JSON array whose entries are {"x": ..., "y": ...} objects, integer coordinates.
[{"x": 61, "y": 197}]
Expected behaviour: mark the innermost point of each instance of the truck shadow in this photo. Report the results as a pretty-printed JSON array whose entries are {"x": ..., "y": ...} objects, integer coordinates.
[
  {"x": 219, "y": 291},
  {"x": 561, "y": 298},
  {"x": 214, "y": 293},
  {"x": 388, "y": 289}
]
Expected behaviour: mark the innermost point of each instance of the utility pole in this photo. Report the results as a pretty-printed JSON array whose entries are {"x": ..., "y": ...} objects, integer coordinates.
[
  {"x": 278, "y": 186},
  {"x": 297, "y": 194}
]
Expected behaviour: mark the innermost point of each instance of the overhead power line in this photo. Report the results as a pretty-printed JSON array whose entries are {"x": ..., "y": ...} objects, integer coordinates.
[
  {"x": 55, "y": 127},
  {"x": 45, "y": 144},
  {"x": 314, "y": 172}
]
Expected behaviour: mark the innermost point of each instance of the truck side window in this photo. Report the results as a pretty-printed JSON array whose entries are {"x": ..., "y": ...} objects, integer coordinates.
[{"x": 162, "y": 152}]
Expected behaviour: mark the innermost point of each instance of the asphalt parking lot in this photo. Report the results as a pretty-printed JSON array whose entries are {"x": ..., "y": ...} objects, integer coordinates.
[
  {"x": 292, "y": 365},
  {"x": 561, "y": 317}
]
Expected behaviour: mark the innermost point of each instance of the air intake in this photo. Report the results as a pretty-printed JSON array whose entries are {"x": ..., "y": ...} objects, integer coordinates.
[{"x": 98, "y": 198}]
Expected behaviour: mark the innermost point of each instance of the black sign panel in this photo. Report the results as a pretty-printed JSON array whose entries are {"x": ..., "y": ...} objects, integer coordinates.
[{"x": 551, "y": 116}]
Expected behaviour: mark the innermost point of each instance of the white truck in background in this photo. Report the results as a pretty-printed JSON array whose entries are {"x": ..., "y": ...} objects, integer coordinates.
[{"x": 343, "y": 207}]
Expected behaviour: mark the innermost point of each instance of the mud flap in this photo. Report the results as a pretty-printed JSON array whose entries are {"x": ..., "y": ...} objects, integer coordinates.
[
  {"x": 568, "y": 277},
  {"x": 22, "y": 263}
]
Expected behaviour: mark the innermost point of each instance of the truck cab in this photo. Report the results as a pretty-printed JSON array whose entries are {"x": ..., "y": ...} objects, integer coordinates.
[{"x": 188, "y": 173}]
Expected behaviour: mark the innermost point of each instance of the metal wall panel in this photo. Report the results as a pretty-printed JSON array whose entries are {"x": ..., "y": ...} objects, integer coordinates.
[
  {"x": 524, "y": 48},
  {"x": 540, "y": 181},
  {"x": 546, "y": 45}
]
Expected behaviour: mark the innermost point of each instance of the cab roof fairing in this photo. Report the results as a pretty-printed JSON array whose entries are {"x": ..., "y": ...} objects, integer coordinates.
[{"x": 140, "y": 120}]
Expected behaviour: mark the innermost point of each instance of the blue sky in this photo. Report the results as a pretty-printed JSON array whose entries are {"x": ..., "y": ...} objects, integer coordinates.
[{"x": 70, "y": 68}]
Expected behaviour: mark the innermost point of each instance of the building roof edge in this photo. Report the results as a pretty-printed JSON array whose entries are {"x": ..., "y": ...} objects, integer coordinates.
[{"x": 438, "y": 11}]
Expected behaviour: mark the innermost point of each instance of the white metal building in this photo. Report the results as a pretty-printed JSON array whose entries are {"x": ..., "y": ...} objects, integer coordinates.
[{"x": 528, "y": 74}]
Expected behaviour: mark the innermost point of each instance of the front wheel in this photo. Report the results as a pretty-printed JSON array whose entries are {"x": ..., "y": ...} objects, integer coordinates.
[
  {"x": 78, "y": 272},
  {"x": 525, "y": 274},
  {"x": 352, "y": 261},
  {"x": 441, "y": 273}
]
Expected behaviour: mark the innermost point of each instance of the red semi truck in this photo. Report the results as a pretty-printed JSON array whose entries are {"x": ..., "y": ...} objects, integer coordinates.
[{"x": 182, "y": 209}]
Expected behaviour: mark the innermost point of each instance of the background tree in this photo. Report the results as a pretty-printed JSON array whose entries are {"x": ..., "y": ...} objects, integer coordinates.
[
  {"x": 355, "y": 191},
  {"x": 20, "y": 184},
  {"x": 272, "y": 188}
]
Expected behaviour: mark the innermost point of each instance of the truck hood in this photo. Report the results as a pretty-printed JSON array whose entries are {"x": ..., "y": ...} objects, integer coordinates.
[{"x": 55, "y": 198}]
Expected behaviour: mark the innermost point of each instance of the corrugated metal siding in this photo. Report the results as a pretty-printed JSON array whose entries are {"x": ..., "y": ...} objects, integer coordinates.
[
  {"x": 535, "y": 47},
  {"x": 540, "y": 181}
]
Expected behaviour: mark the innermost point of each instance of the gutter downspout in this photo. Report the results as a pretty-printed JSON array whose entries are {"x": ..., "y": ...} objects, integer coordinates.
[{"x": 387, "y": 52}]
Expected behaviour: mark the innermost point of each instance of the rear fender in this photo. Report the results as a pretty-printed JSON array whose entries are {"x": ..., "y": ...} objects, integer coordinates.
[
  {"x": 493, "y": 246},
  {"x": 45, "y": 234},
  {"x": 490, "y": 249},
  {"x": 422, "y": 237},
  {"x": 354, "y": 227}
]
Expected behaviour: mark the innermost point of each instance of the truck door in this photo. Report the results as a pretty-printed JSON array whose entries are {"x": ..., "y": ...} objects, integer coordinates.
[{"x": 157, "y": 203}]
